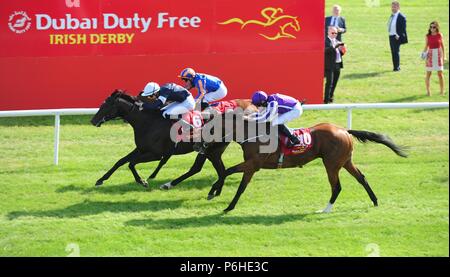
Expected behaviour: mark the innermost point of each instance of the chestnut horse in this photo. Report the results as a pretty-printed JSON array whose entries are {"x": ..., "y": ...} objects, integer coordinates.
[{"x": 333, "y": 144}]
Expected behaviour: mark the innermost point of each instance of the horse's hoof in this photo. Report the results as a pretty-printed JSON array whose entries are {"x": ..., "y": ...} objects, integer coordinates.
[
  {"x": 152, "y": 177},
  {"x": 375, "y": 204},
  {"x": 99, "y": 183},
  {"x": 144, "y": 183},
  {"x": 210, "y": 196},
  {"x": 325, "y": 211},
  {"x": 166, "y": 186}
]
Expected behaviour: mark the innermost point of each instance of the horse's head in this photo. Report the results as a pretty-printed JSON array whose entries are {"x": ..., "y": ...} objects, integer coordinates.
[{"x": 113, "y": 107}]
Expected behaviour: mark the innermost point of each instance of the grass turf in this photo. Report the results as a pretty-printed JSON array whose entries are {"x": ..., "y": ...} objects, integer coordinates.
[{"x": 45, "y": 209}]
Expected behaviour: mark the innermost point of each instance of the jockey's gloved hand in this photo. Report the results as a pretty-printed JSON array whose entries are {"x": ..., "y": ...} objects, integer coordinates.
[{"x": 139, "y": 104}]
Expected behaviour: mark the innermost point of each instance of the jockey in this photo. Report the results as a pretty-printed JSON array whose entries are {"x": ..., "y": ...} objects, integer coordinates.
[
  {"x": 182, "y": 100},
  {"x": 279, "y": 110},
  {"x": 209, "y": 88}
]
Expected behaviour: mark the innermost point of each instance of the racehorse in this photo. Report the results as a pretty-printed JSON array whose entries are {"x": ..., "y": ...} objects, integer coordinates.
[
  {"x": 152, "y": 138},
  {"x": 333, "y": 144}
]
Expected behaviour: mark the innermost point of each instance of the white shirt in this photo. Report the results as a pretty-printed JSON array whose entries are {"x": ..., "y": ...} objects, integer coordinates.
[
  {"x": 338, "y": 53},
  {"x": 392, "y": 25}
]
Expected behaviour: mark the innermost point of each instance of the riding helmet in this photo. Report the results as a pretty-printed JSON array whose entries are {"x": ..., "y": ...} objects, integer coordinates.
[
  {"x": 150, "y": 89},
  {"x": 187, "y": 73},
  {"x": 259, "y": 97}
]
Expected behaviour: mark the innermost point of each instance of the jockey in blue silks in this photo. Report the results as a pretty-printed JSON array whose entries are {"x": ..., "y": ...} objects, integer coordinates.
[{"x": 209, "y": 88}]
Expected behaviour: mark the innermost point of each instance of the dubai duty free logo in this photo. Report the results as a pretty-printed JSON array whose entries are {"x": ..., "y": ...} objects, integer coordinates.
[
  {"x": 285, "y": 25},
  {"x": 19, "y": 22}
]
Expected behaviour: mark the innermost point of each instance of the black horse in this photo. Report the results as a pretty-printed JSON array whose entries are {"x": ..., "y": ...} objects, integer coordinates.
[{"x": 152, "y": 139}]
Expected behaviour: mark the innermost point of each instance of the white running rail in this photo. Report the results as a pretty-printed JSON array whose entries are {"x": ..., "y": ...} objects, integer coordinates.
[{"x": 348, "y": 107}]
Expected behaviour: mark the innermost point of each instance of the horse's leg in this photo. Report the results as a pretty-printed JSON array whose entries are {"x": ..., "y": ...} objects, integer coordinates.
[
  {"x": 242, "y": 186},
  {"x": 355, "y": 172},
  {"x": 249, "y": 169},
  {"x": 161, "y": 163},
  {"x": 234, "y": 169},
  {"x": 216, "y": 188},
  {"x": 118, "y": 164},
  {"x": 141, "y": 158},
  {"x": 196, "y": 168},
  {"x": 333, "y": 178}
]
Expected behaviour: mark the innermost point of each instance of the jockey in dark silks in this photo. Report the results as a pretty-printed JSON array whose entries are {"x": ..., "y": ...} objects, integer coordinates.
[{"x": 181, "y": 100}]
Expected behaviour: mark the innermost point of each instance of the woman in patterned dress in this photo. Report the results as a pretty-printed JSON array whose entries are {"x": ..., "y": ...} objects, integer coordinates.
[{"x": 435, "y": 55}]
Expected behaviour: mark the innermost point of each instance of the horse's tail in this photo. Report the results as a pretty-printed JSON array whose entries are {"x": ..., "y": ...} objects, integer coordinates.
[{"x": 364, "y": 136}]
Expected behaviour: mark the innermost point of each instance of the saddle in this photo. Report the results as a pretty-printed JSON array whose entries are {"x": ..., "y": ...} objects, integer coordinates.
[{"x": 224, "y": 106}]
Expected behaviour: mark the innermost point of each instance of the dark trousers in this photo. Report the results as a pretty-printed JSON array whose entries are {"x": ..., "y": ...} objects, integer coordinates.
[
  {"x": 332, "y": 78},
  {"x": 395, "y": 52}
]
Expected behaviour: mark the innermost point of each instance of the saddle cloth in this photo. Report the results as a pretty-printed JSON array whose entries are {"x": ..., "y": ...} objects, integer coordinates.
[
  {"x": 305, "y": 138},
  {"x": 224, "y": 106}
]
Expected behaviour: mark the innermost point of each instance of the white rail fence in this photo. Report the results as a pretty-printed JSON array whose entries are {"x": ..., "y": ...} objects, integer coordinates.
[{"x": 348, "y": 107}]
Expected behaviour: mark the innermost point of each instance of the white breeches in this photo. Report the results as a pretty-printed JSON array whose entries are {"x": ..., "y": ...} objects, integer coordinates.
[
  {"x": 212, "y": 96},
  {"x": 177, "y": 108},
  {"x": 286, "y": 117}
]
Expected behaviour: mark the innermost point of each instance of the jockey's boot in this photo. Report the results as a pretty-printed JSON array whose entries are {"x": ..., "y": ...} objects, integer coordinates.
[
  {"x": 293, "y": 140},
  {"x": 204, "y": 105}
]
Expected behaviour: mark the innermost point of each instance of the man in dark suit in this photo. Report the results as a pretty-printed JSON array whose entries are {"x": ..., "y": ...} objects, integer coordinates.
[
  {"x": 336, "y": 20},
  {"x": 334, "y": 50},
  {"x": 397, "y": 33}
]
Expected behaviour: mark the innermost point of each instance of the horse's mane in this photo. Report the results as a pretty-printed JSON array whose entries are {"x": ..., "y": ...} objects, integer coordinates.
[{"x": 123, "y": 94}]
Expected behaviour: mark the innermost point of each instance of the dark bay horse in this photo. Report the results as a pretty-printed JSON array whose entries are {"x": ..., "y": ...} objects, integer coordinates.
[
  {"x": 333, "y": 144},
  {"x": 152, "y": 139}
]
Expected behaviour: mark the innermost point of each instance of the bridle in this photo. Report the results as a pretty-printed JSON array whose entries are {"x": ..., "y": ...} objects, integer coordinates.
[
  {"x": 116, "y": 100},
  {"x": 133, "y": 105}
]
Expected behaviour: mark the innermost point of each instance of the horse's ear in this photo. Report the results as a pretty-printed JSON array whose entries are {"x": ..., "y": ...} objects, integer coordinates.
[{"x": 116, "y": 92}]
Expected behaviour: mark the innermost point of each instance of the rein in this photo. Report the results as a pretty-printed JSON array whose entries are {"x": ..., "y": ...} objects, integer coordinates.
[{"x": 127, "y": 103}]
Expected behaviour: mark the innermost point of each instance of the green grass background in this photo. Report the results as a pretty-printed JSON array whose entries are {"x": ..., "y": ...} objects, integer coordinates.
[{"x": 44, "y": 209}]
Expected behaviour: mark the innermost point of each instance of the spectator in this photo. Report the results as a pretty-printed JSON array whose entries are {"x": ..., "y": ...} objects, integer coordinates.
[
  {"x": 336, "y": 20},
  {"x": 334, "y": 50},
  {"x": 397, "y": 33},
  {"x": 434, "y": 54}
]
